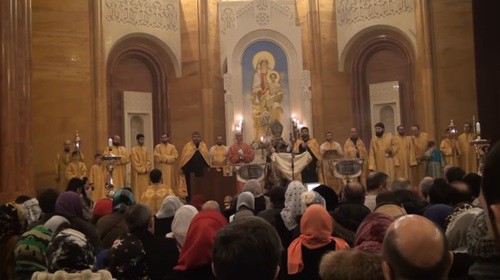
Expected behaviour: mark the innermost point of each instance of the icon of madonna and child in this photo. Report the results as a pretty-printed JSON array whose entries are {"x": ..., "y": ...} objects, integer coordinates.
[{"x": 266, "y": 97}]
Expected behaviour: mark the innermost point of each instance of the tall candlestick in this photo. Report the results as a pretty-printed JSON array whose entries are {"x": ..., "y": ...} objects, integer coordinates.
[
  {"x": 478, "y": 128},
  {"x": 110, "y": 142}
]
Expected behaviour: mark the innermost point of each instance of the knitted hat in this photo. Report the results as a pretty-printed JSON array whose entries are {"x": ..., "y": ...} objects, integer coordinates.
[
  {"x": 102, "y": 208},
  {"x": 55, "y": 224},
  {"x": 30, "y": 249},
  {"x": 70, "y": 251}
]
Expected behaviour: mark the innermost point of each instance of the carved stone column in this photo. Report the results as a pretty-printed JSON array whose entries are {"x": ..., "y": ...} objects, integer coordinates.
[{"x": 15, "y": 144}]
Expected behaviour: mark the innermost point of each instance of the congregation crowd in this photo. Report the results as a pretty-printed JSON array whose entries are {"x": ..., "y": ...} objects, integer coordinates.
[{"x": 375, "y": 228}]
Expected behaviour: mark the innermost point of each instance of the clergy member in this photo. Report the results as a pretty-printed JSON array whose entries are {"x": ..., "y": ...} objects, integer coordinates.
[
  {"x": 380, "y": 157},
  {"x": 141, "y": 165},
  {"x": 156, "y": 192},
  {"x": 420, "y": 141},
  {"x": 218, "y": 152},
  {"x": 449, "y": 148},
  {"x": 354, "y": 147},
  {"x": 330, "y": 150},
  {"x": 468, "y": 156},
  {"x": 119, "y": 171},
  {"x": 76, "y": 168},
  {"x": 312, "y": 172},
  {"x": 165, "y": 155},
  {"x": 404, "y": 156},
  {"x": 62, "y": 160},
  {"x": 194, "y": 158},
  {"x": 98, "y": 178},
  {"x": 240, "y": 152}
]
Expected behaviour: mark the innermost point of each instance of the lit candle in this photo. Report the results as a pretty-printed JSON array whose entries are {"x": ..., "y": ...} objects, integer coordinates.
[
  {"x": 110, "y": 142},
  {"x": 262, "y": 139},
  {"x": 478, "y": 128}
]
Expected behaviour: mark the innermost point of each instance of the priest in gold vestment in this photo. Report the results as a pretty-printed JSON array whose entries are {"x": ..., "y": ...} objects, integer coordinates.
[
  {"x": 165, "y": 155},
  {"x": 354, "y": 147},
  {"x": 141, "y": 165},
  {"x": 62, "y": 160},
  {"x": 119, "y": 171},
  {"x": 404, "y": 155},
  {"x": 194, "y": 158},
  {"x": 156, "y": 192},
  {"x": 76, "y": 168},
  {"x": 98, "y": 177},
  {"x": 449, "y": 148},
  {"x": 468, "y": 156},
  {"x": 218, "y": 152},
  {"x": 313, "y": 172},
  {"x": 380, "y": 157},
  {"x": 420, "y": 140},
  {"x": 330, "y": 150}
]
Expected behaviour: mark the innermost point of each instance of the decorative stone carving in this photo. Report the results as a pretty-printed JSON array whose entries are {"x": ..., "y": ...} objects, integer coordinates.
[
  {"x": 149, "y": 13},
  {"x": 306, "y": 79},
  {"x": 228, "y": 82},
  {"x": 384, "y": 92},
  {"x": 134, "y": 101},
  {"x": 352, "y": 11},
  {"x": 227, "y": 19}
]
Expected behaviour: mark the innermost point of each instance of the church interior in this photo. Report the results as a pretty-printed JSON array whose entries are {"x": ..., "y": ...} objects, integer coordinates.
[{"x": 119, "y": 67}]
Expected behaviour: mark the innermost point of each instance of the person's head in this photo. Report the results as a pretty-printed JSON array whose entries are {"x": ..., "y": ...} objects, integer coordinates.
[
  {"x": 140, "y": 139},
  {"x": 238, "y": 136},
  {"x": 70, "y": 251},
  {"x": 245, "y": 200},
  {"x": 164, "y": 138},
  {"x": 371, "y": 232},
  {"x": 440, "y": 192},
  {"x": 219, "y": 140},
  {"x": 76, "y": 185},
  {"x": 155, "y": 176},
  {"x": 248, "y": 248},
  {"x": 311, "y": 197},
  {"x": 329, "y": 136},
  {"x": 354, "y": 192},
  {"x": 351, "y": 264},
  {"x": 211, "y": 205},
  {"x": 47, "y": 200},
  {"x": 474, "y": 182},
  {"x": 377, "y": 181},
  {"x": 180, "y": 224},
  {"x": 379, "y": 129},
  {"x": 74, "y": 156},
  {"x": 98, "y": 158},
  {"x": 139, "y": 217},
  {"x": 277, "y": 197},
  {"x": 67, "y": 145},
  {"x": 424, "y": 187},
  {"x": 22, "y": 198},
  {"x": 196, "y": 137},
  {"x": 168, "y": 207},
  {"x": 490, "y": 191},
  {"x": 415, "y": 130},
  {"x": 31, "y": 248},
  {"x": 438, "y": 213},
  {"x": 415, "y": 256},
  {"x": 401, "y": 130},
  {"x": 330, "y": 196},
  {"x": 462, "y": 193},
  {"x": 263, "y": 64},
  {"x": 448, "y": 133},
  {"x": 467, "y": 127},
  {"x": 123, "y": 198},
  {"x": 117, "y": 140},
  {"x": 401, "y": 184},
  {"x": 354, "y": 133},
  {"x": 431, "y": 144},
  {"x": 253, "y": 186},
  {"x": 293, "y": 204},
  {"x": 454, "y": 174},
  {"x": 304, "y": 133},
  {"x": 69, "y": 204}
]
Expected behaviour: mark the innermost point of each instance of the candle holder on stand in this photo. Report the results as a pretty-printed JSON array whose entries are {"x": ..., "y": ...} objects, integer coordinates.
[
  {"x": 110, "y": 161},
  {"x": 481, "y": 146}
]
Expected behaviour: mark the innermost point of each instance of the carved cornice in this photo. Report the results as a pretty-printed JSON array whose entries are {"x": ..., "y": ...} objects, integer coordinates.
[
  {"x": 147, "y": 13},
  {"x": 353, "y": 11}
]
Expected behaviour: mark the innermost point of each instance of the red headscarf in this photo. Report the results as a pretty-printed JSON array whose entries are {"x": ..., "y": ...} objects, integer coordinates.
[
  {"x": 200, "y": 237},
  {"x": 371, "y": 232},
  {"x": 316, "y": 227}
]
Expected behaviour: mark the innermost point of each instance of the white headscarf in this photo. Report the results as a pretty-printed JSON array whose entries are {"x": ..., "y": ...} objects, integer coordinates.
[
  {"x": 254, "y": 187},
  {"x": 246, "y": 199},
  {"x": 293, "y": 204},
  {"x": 181, "y": 222},
  {"x": 168, "y": 207}
]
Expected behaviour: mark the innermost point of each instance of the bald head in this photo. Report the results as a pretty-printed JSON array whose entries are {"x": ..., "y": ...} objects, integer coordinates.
[
  {"x": 354, "y": 192},
  {"x": 67, "y": 145},
  {"x": 415, "y": 256},
  {"x": 211, "y": 205}
]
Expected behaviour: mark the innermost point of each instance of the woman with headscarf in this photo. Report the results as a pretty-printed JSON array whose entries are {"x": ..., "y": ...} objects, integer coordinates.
[
  {"x": 330, "y": 196},
  {"x": 371, "y": 232},
  {"x": 127, "y": 259},
  {"x": 255, "y": 188},
  {"x": 195, "y": 260},
  {"x": 165, "y": 215},
  {"x": 112, "y": 226},
  {"x": 11, "y": 227},
  {"x": 77, "y": 185},
  {"x": 69, "y": 205},
  {"x": 481, "y": 247},
  {"x": 305, "y": 252},
  {"x": 244, "y": 206},
  {"x": 438, "y": 214},
  {"x": 293, "y": 208},
  {"x": 182, "y": 218}
]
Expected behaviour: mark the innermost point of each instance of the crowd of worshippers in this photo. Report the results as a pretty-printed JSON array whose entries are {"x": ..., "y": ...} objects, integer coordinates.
[{"x": 446, "y": 229}]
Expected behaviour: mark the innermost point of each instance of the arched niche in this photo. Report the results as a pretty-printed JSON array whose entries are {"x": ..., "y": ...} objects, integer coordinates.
[
  {"x": 381, "y": 55},
  {"x": 138, "y": 63}
]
